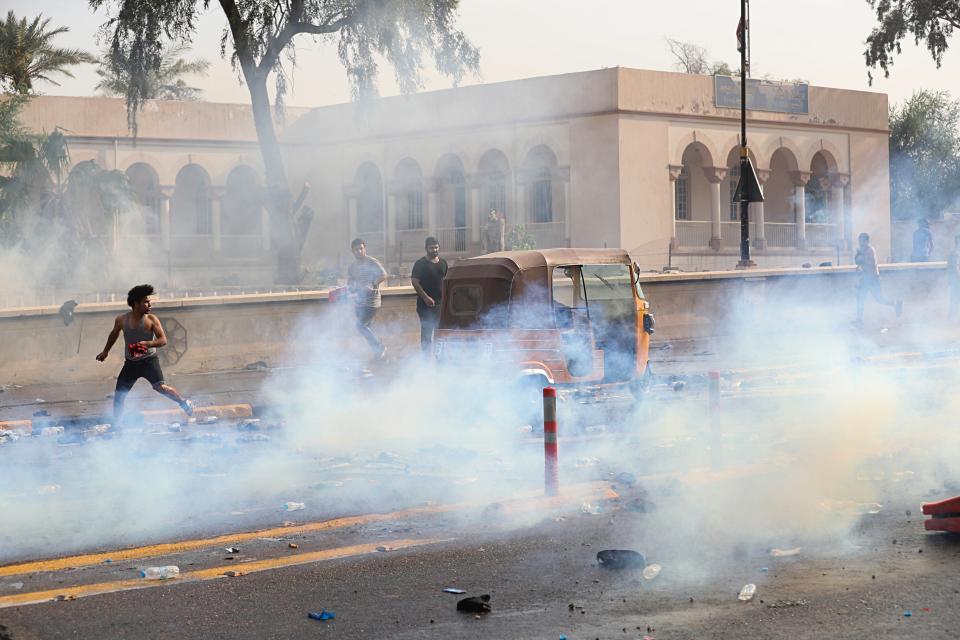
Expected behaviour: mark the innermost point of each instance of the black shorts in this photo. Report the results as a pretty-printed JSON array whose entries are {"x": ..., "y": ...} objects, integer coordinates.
[{"x": 133, "y": 370}]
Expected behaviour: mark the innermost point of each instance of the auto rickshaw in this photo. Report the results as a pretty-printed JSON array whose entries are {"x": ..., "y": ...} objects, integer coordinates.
[{"x": 570, "y": 318}]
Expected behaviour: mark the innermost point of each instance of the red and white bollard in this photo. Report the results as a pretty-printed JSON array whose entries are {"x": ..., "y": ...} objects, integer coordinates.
[
  {"x": 716, "y": 434},
  {"x": 551, "y": 465}
]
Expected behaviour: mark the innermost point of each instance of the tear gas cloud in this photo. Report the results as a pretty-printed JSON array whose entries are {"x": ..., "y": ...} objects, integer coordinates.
[{"x": 807, "y": 442}]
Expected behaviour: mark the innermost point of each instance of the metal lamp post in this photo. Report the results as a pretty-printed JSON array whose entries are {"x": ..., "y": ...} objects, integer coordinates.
[{"x": 748, "y": 187}]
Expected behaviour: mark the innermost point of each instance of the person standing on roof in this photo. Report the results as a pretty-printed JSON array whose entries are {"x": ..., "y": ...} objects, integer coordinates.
[
  {"x": 427, "y": 280},
  {"x": 492, "y": 239},
  {"x": 142, "y": 334}
]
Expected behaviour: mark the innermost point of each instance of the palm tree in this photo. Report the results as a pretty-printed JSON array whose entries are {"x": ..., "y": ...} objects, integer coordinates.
[
  {"x": 165, "y": 84},
  {"x": 27, "y": 53}
]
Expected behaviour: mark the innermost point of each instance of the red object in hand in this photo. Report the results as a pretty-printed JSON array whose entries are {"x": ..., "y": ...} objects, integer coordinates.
[{"x": 137, "y": 349}]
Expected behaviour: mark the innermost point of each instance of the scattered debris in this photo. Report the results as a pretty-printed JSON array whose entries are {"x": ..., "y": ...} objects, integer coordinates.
[
  {"x": 292, "y": 545},
  {"x": 652, "y": 571},
  {"x": 591, "y": 509},
  {"x": 323, "y": 614},
  {"x": 783, "y": 553},
  {"x": 294, "y": 506},
  {"x": 160, "y": 573},
  {"x": 783, "y": 604},
  {"x": 209, "y": 419},
  {"x": 746, "y": 594},
  {"x": 475, "y": 604},
  {"x": 16, "y": 585},
  {"x": 621, "y": 559},
  {"x": 234, "y": 574},
  {"x": 383, "y": 549},
  {"x": 870, "y": 508},
  {"x": 65, "y": 598},
  {"x": 259, "y": 365},
  {"x": 907, "y": 614},
  {"x": 233, "y": 550},
  {"x": 453, "y": 590}
]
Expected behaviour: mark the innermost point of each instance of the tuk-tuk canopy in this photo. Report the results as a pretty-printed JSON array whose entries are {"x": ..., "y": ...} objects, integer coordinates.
[
  {"x": 485, "y": 285},
  {"x": 507, "y": 264}
]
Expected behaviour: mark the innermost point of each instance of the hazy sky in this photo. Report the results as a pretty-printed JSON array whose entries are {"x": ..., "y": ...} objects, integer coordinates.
[{"x": 817, "y": 40}]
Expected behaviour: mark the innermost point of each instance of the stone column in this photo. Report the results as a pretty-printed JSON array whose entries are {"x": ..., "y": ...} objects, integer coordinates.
[
  {"x": 216, "y": 199},
  {"x": 837, "y": 187},
  {"x": 475, "y": 212},
  {"x": 800, "y": 179},
  {"x": 430, "y": 185},
  {"x": 715, "y": 176},
  {"x": 264, "y": 229},
  {"x": 391, "y": 221},
  {"x": 520, "y": 198},
  {"x": 563, "y": 175},
  {"x": 673, "y": 171},
  {"x": 757, "y": 214},
  {"x": 166, "y": 194},
  {"x": 352, "y": 192}
]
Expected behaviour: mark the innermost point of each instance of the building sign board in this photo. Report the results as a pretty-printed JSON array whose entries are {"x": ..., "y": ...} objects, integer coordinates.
[{"x": 762, "y": 95}]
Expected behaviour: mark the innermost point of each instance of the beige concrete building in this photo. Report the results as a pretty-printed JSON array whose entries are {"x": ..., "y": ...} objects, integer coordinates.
[{"x": 642, "y": 160}]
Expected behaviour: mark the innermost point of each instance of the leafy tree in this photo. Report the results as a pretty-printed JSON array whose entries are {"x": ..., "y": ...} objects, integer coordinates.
[
  {"x": 166, "y": 83},
  {"x": 259, "y": 36},
  {"x": 930, "y": 21},
  {"x": 692, "y": 58},
  {"x": 924, "y": 155},
  {"x": 27, "y": 53},
  {"x": 518, "y": 238}
]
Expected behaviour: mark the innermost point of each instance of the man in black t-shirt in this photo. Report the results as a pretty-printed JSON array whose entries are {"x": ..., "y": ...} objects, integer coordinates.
[{"x": 427, "y": 279}]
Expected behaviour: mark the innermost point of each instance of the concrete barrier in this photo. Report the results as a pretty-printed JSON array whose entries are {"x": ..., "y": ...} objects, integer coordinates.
[{"x": 229, "y": 332}]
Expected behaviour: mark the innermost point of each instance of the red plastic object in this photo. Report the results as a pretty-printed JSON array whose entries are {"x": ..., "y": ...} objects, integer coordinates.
[{"x": 946, "y": 515}]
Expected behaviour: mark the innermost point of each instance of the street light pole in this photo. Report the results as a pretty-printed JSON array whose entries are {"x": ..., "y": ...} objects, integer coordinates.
[{"x": 746, "y": 169}]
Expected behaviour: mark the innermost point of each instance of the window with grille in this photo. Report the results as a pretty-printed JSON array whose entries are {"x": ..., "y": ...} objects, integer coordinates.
[
  {"x": 543, "y": 198},
  {"x": 497, "y": 194},
  {"x": 682, "y": 187},
  {"x": 734, "y": 178},
  {"x": 415, "y": 209},
  {"x": 204, "y": 215},
  {"x": 151, "y": 215}
]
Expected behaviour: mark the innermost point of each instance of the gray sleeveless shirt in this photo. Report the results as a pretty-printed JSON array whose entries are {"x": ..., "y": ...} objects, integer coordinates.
[{"x": 134, "y": 334}]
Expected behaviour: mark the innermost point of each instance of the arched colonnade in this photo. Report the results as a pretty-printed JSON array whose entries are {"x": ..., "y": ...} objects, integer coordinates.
[
  {"x": 806, "y": 193},
  {"x": 193, "y": 216},
  {"x": 395, "y": 209}
]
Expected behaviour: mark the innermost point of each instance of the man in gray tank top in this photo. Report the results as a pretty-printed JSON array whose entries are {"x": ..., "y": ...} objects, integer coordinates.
[{"x": 142, "y": 334}]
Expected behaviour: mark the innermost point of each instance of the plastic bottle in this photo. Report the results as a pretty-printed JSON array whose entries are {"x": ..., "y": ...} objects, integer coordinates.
[
  {"x": 746, "y": 594},
  {"x": 160, "y": 573},
  {"x": 651, "y": 571}
]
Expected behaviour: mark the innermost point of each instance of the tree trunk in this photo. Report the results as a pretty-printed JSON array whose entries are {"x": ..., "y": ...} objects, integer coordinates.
[{"x": 278, "y": 199}]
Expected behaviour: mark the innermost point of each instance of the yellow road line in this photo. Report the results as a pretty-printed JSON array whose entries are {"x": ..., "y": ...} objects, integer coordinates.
[
  {"x": 213, "y": 573},
  {"x": 596, "y": 490}
]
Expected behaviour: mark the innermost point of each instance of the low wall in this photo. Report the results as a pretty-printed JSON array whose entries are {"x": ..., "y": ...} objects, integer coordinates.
[{"x": 229, "y": 332}]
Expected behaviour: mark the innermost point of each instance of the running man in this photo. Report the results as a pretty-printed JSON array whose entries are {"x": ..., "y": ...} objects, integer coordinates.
[
  {"x": 142, "y": 334},
  {"x": 364, "y": 278},
  {"x": 866, "y": 260}
]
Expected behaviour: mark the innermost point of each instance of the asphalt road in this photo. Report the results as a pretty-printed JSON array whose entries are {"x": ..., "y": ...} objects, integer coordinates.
[{"x": 831, "y": 465}]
